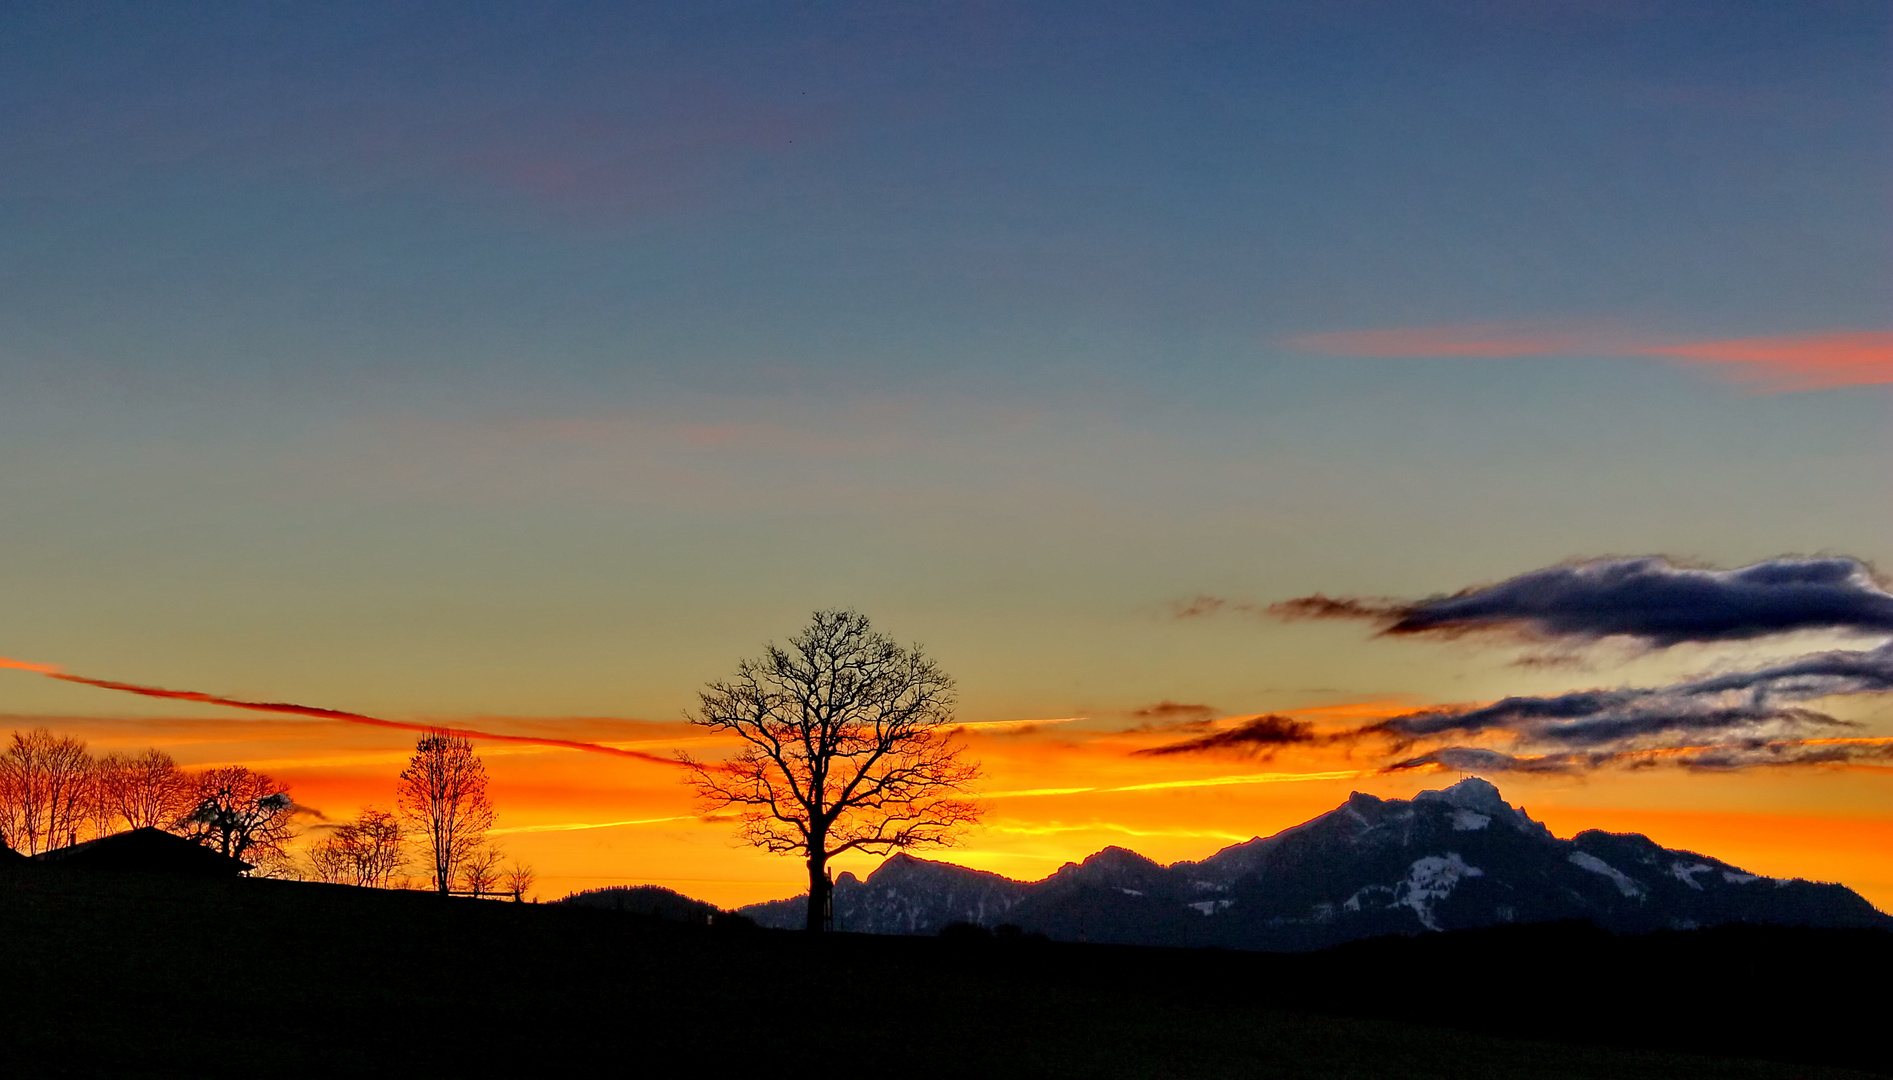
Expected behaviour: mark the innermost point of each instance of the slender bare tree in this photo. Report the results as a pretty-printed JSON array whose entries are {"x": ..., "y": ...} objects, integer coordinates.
[
  {"x": 481, "y": 871},
  {"x": 845, "y": 747},
  {"x": 330, "y": 860},
  {"x": 45, "y": 791},
  {"x": 443, "y": 792},
  {"x": 101, "y": 818},
  {"x": 366, "y": 851},
  {"x": 379, "y": 847},
  {"x": 147, "y": 790},
  {"x": 519, "y": 879},
  {"x": 244, "y": 814}
]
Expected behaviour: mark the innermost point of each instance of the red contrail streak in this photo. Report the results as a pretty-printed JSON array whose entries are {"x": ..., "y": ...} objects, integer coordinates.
[{"x": 53, "y": 672}]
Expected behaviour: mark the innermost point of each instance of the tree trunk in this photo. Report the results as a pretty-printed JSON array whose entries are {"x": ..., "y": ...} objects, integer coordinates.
[
  {"x": 443, "y": 862},
  {"x": 818, "y": 892}
]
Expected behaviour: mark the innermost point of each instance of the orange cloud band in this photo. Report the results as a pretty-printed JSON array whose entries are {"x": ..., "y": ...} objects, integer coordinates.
[
  {"x": 1866, "y": 741},
  {"x": 1165, "y": 785},
  {"x": 22, "y": 665},
  {"x": 1792, "y": 362},
  {"x": 52, "y": 671},
  {"x": 576, "y": 826},
  {"x": 1814, "y": 362},
  {"x": 1011, "y": 725},
  {"x": 1664, "y": 753}
]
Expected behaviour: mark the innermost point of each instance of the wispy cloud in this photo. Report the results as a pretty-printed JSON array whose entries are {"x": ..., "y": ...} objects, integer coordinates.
[
  {"x": 1765, "y": 716},
  {"x": 1203, "y": 605},
  {"x": 1748, "y": 721},
  {"x": 1713, "y": 757},
  {"x": 1651, "y": 599},
  {"x": 1809, "y": 362},
  {"x": 1760, "y": 704},
  {"x": 285, "y": 708},
  {"x": 1781, "y": 363},
  {"x": 695, "y": 451},
  {"x": 1493, "y": 340},
  {"x": 1260, "y": 736},
  {"x": 22, "y": 665},
  {"x": 1245, "y": 778},
  {"x": 1167, "y": 785},
  {"x": 1056, "y": 828},
  {"x": 1002, "y": 727},
  {"x": 582, "y": 825},
  {"x": 1026, "y": 793},
  {"x": 1168, "y": 713}
]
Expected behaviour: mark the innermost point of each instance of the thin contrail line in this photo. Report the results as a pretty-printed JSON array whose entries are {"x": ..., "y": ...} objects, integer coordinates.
[
  {"x": 52, "y": 671},
  {"x": 577, "y": 825}
]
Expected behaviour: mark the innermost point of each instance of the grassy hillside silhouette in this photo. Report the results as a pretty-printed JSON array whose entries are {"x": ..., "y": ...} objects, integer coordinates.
[{"x": 145, "y": 975}]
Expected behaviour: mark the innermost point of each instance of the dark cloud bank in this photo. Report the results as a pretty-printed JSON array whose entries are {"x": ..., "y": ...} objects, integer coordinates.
[
  {"x": 1651, "y": 599},
  {"x": 1720, "y": 721},
  {"x": 1260, "y": 736},
  {"x": 1723, "y": 721},
  {"x": 1172, "y": 714}
]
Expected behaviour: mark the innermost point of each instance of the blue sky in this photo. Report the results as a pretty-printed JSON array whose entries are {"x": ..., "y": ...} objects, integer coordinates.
[{"x": 545, "y": 358}]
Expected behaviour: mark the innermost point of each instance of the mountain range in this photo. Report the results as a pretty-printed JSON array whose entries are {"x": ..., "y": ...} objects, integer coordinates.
[{"x": 1456, "y": 858}]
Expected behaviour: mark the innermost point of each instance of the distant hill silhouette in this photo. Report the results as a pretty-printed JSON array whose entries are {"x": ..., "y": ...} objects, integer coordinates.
[
  {"x": 1457, "y": 858},
  {"x": 650, "y": 900},
  {"x": 103, "y": 975},
  {"x": 146, "y": 850}
]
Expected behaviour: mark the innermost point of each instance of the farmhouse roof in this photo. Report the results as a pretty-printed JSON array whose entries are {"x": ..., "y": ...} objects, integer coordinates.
[{"x": 147, "y": 850}]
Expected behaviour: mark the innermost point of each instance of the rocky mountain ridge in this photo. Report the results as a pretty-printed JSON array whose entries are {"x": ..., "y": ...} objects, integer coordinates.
[{"x": 1455, "y": 858}]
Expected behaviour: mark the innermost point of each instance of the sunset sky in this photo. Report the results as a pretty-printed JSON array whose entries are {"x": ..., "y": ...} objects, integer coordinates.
[{"x": 523, "y": 367}]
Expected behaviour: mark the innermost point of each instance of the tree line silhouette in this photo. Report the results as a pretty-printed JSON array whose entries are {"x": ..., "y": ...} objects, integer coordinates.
[
  {"x": 54, "y": 794},
  {"x": 845, "y": 744}
]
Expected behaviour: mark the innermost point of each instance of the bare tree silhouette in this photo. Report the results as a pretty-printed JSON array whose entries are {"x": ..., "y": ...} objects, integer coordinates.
[
  {"x": 242, "y": 813},
  {"x": 443, "y": 791},
  {"x": 53, "y": 794},
  {"x": 330, "y": 861},
  {"x": 45, "y": 791},
  {"x": 846, "y": 747},
  {"x": 519, "y": 879},
  {"x": 145, "y": 791},
  {"x": 481, "y": 871},
  {"x": 366, "y": 851}
]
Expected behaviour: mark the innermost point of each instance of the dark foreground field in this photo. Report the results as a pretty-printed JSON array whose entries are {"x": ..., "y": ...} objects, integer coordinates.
[{"x": 141, "y": 976}]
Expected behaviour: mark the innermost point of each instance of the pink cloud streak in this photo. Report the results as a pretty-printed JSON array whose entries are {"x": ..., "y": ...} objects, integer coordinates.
[{"x": 1779, "y": 364}]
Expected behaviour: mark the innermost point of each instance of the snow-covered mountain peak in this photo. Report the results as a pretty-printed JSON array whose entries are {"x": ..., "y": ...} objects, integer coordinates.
[
  {"x": 1472, "y": 793},
  {"x": 1474, "y": 803},
  {"x": 1456, "y": 857}
]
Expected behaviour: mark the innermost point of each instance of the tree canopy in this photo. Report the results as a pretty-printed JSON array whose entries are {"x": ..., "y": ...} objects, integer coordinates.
[
  {"x": 845, "y": 746},
  {"x": 443, "y": 792}
]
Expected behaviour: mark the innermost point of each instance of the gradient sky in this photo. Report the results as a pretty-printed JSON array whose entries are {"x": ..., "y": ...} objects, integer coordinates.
[{"x": 527, "y": 365}]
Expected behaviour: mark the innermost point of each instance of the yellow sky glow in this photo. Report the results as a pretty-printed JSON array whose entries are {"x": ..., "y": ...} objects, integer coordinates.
[{"x": 1056, "y": 791}]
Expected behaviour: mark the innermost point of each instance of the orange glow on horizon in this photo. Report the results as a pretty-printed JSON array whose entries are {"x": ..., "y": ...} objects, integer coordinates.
[
  {"x": 1852, "y": 850},
  {"x": 1163, "y": 785},
  {"x": 1056, "y": 793}
]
